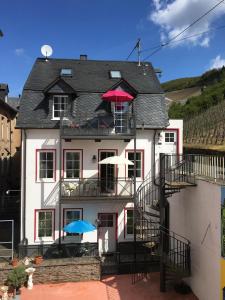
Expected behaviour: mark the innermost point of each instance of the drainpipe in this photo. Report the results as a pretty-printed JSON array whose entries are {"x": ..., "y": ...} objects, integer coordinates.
[
  {"x": 10, "y": 151},
  {"x": 24, "y": 187},
  {"x": 135, "y": 186},
  {"x": 60, "y": 179},
  {"x": 155, "y": 183}
]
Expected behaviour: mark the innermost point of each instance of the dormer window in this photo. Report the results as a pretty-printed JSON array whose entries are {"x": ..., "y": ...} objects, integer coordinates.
[
  {"x": 60, "y": 104},
  {"x": 66, "y": 72},
  {"x": 115, "y": 74}
]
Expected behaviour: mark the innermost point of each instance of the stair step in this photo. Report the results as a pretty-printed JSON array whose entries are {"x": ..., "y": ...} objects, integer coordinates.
[{"x": 152, "y": 214}]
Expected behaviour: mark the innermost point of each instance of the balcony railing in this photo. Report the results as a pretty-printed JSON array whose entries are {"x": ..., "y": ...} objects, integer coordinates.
[
  {"x": 95, "y": 187},
  {"x": 86, "y": 125},
  {"x": 186, "y": 167}
]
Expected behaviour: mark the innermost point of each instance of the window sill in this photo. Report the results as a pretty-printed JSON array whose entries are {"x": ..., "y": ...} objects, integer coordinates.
[
  {"x": 129, "y": 237},
  {"x": 44, "y": 240},
  {"x": 58, "y": 119},
  {"x": 45, "y": 180}
]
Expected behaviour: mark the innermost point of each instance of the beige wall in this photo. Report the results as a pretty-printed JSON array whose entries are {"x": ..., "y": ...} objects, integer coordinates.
[
  {"x": 9, "y": 150},
  {"x": 191, "y": 212}
]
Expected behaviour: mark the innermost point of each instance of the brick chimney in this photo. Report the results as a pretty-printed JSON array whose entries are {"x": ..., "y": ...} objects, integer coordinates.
[
  {"x": 4, "y": 90},
  {"x": 83, "y": 56}
]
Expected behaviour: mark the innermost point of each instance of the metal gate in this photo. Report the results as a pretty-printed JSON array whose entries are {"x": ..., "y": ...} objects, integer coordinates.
[{"x": 6, "y": 238}]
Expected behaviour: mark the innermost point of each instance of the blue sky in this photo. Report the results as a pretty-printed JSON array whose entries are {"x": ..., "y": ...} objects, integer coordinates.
[{"x": 108, "y": 29}]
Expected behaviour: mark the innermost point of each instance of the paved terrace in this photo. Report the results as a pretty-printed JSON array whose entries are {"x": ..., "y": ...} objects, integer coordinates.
[{"x": 117, "y": 287}]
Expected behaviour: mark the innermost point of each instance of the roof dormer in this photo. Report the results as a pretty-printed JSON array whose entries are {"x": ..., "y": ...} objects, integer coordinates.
[{"x": 59, "y": 86}]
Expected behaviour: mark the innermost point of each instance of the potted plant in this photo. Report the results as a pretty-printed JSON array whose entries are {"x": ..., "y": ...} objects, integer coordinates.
[
  {"x": 38, "y": 259},
  {"x": 16, "y": 278},
  {"x": 14, "y": 261}
]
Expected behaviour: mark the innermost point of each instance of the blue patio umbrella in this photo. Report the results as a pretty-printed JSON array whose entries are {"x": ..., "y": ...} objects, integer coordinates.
[{"x": 79, "y": 226}]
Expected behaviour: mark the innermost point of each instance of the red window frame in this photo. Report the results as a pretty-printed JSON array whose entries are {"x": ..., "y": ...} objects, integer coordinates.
[{"x": 36, "y": 211}]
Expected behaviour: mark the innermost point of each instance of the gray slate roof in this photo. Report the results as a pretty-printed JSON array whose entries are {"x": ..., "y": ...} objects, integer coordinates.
[
  {"x": 92, "y": 75},
  {"x": 14, "y": 102},
  {"x": 9, "y": 111},
  {"x": 89, "y": 81}
]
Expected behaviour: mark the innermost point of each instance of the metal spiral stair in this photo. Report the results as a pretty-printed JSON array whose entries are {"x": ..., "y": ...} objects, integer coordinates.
[{"x": 170, "y": 250}]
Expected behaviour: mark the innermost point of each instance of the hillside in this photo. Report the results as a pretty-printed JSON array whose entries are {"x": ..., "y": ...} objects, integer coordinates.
[
  {"x": 212, "y": 85},
  {"x": 180, "y": 83}
]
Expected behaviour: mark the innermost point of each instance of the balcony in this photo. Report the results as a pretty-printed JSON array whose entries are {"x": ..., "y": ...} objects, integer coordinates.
[
  {"x": 99, "y": 126},
  {"x": 94, "y": 187}
]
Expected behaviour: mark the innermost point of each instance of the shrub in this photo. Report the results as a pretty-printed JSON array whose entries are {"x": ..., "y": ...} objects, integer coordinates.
[{"x": 17, "y": 277}]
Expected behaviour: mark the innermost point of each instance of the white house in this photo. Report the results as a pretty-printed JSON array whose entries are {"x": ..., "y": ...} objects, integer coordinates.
[{"x": 62, "y": 179}]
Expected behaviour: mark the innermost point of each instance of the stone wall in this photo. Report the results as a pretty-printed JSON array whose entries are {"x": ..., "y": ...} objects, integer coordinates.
[
  {"x": 62, "y": 270},
  {"x": 4, "y": 270}
]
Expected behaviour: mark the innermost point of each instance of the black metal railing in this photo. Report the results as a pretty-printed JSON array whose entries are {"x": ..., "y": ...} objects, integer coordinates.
[
  {"x": 175, "y": 252},
  {"x": 179, "y": 169},
  {"x": 148, "y": 195},
  {"x": 96, "y": 187},
  {"x": 173, "y": 249},
  {"x": 97, "y": 125}
]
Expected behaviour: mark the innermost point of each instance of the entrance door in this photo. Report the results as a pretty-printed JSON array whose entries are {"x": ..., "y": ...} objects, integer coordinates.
[
  {"x": 107, "y": 173},
  {"x": 107, "y": 232}
]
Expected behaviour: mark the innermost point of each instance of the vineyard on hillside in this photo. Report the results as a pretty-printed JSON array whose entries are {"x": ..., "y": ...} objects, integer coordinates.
[{"x": 206, "y": 128}]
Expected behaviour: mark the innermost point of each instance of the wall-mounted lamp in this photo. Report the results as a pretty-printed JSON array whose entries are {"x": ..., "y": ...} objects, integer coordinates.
[
  {"x": 97, "y": 222},
  {"x": 94, "y": 158}
]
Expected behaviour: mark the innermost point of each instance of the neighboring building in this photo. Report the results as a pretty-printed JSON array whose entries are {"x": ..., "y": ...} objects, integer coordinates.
[
  {"x": 9, "y": 144},
  {"x": 61, "y": 178}
]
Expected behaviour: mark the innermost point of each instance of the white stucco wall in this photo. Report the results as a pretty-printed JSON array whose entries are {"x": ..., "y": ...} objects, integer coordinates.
[
  {"x": 191, "y": 212},
  {"x": 44, "y": 195}
]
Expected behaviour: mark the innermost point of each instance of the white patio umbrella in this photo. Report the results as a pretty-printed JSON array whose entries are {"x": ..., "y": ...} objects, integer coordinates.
[{"x": 116, "y": 160}]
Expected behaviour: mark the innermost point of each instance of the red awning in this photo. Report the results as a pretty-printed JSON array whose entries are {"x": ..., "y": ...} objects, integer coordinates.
[{"x": 117, "y": 96}]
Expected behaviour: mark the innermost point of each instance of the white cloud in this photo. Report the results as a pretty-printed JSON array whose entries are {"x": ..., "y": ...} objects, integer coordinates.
[
  {"x": 19, "y": 51},
  {"x": 175, "y": 15},
  {"x": 217, "y": 62}
]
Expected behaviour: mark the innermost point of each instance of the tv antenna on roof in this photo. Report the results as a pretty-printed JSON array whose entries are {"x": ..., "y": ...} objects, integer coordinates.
[{"x": 46, "y": 51}]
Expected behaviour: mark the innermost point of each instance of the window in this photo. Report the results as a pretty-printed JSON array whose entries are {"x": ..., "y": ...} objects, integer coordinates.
[
  {"x": 66, "y": 72},
  {"x": 106, "y": 220},
  {"x": 46, "y": 164},
  {"x": 115, "y": 74},
  {"x": 169, "y": 137},
  {"x": 139, "y": 158},
  {"x": 120, "y": 117},
  {"x": 44, "y": 225},
  {"x": 72, "y": 164},
  {"x": 60, "y": 104},
  {"x": 2, "y": 128},
  {"x": 129, "y": 221},
  {"x": 71, "y": 215},
  {"x": 8, "y": 130}
]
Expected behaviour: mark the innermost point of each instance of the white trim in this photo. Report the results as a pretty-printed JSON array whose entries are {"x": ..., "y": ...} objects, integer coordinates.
[
  {"x": 142, "y": 157},
  {"x": 174, "y": 137},
  {"x": 128, "y": 236},
  {"x": 50, "y": 179},
  {"x": 80, "y": 163},
  {"x": 44, "y": 239},
  {"x": 53, "y": 111}
]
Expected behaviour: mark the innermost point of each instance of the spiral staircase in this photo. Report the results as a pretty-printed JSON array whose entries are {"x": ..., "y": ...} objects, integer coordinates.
[{"x": 170, "y": 250}]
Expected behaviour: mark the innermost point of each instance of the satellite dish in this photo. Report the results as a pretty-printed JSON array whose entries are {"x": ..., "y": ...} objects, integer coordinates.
[{"x": 46, "y": 51}]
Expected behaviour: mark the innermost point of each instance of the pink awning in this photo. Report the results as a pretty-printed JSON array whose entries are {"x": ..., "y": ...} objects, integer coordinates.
[{"x": 117, "y": 96}]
